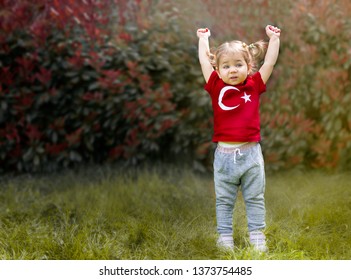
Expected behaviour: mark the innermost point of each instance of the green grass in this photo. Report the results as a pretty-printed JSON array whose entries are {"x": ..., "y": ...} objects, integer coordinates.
[{"x": 107, "y": 213}]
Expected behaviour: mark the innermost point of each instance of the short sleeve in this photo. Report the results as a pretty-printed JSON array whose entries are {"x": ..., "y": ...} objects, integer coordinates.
[
  {"x": 259, "y": 84},
  {"x": 209, "y": 86}
]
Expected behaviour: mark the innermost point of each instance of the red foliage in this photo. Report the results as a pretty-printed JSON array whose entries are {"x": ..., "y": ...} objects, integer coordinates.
[
  {"x": 109, "y": 78},
  {"x": 55, "y": 149},
  {"x": 10, "y": 133},
  {"x": 44, "y": 76},
  {"x": 103, "y": 80},
  {"x": 6, "y": 76},
  {"x": 33, "y": 133},
  {"x": 74, "y": 137}
]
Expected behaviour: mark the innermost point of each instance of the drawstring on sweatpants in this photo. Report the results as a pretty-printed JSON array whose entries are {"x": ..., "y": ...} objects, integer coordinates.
[
  {"x": 237, "y": 152},
  {"x": 223, "y": 148}
]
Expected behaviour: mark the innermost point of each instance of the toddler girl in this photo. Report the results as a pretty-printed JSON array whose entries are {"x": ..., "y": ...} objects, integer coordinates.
[{"x": 235, "y": 86}]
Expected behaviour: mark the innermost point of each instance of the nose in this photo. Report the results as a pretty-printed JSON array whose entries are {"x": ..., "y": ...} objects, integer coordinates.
[{"x": 233, "y": 69}]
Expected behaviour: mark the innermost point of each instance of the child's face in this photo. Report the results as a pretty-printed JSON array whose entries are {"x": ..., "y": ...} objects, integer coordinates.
[{"x": 233, "y": 69}]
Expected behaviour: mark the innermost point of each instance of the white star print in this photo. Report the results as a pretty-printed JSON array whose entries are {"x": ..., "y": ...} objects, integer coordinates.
[{"x": 246, "y": 97}]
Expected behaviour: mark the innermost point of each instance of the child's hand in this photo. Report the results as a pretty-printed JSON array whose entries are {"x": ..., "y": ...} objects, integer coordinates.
[
  {"x": 272, "y": 31},
  {"x": 203, "y": 33}
]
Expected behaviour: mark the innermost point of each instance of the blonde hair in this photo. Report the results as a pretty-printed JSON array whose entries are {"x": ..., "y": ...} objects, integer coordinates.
[{"x": 253, "y": 54}]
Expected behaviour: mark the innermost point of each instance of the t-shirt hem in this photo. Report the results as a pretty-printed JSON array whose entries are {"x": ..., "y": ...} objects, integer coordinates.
[{"x": 216, "y": 140}]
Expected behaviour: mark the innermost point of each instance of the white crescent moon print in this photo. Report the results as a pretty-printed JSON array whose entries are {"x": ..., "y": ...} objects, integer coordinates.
[{"x": 221, "y": 94}]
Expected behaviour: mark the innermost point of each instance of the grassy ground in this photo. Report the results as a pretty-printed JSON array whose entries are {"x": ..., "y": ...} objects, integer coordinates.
[{"x": 107, "y": 213}]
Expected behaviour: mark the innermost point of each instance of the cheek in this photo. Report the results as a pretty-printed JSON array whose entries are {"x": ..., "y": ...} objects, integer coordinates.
[
  {"x": 220, "y": 73},
  {"x": 223, "y": 72},
  {"x": 245, "y": 71}
]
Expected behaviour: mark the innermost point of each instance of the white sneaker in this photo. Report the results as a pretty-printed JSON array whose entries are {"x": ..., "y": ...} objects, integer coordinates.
[
  {"x": 225, "y": 241},
  {"x": 258, "y": 240}
]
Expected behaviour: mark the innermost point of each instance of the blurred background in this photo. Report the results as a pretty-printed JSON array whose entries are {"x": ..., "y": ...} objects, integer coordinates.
[{"x": 97, "y": 82}]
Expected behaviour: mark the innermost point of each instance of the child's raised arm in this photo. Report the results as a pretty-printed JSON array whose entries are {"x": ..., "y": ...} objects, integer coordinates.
[
  {"x": 204, "y": 50},
  {"x": 272, "y": 52}
]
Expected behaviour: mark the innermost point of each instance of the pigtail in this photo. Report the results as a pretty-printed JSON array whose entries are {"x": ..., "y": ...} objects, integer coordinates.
[
  {"x": 258, "y": 51},
  {"x": 212, "y": 59}
]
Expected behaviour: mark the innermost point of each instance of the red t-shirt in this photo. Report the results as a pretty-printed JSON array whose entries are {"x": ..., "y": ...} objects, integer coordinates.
[{"x": 236, "y": 108}]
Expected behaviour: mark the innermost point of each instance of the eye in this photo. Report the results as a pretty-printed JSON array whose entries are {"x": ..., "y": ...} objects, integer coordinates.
[{"x": 225, "y": 67}]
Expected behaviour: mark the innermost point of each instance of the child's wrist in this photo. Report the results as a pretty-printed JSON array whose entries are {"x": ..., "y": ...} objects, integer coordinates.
[
  {"x": 205, "y": 37},
  {"x": 274, "y": 37}
]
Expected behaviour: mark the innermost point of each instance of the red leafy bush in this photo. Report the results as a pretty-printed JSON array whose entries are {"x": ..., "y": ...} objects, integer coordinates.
[
  {"x": 81, "y": 82},
  {"x": 100, "y": 81}
]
